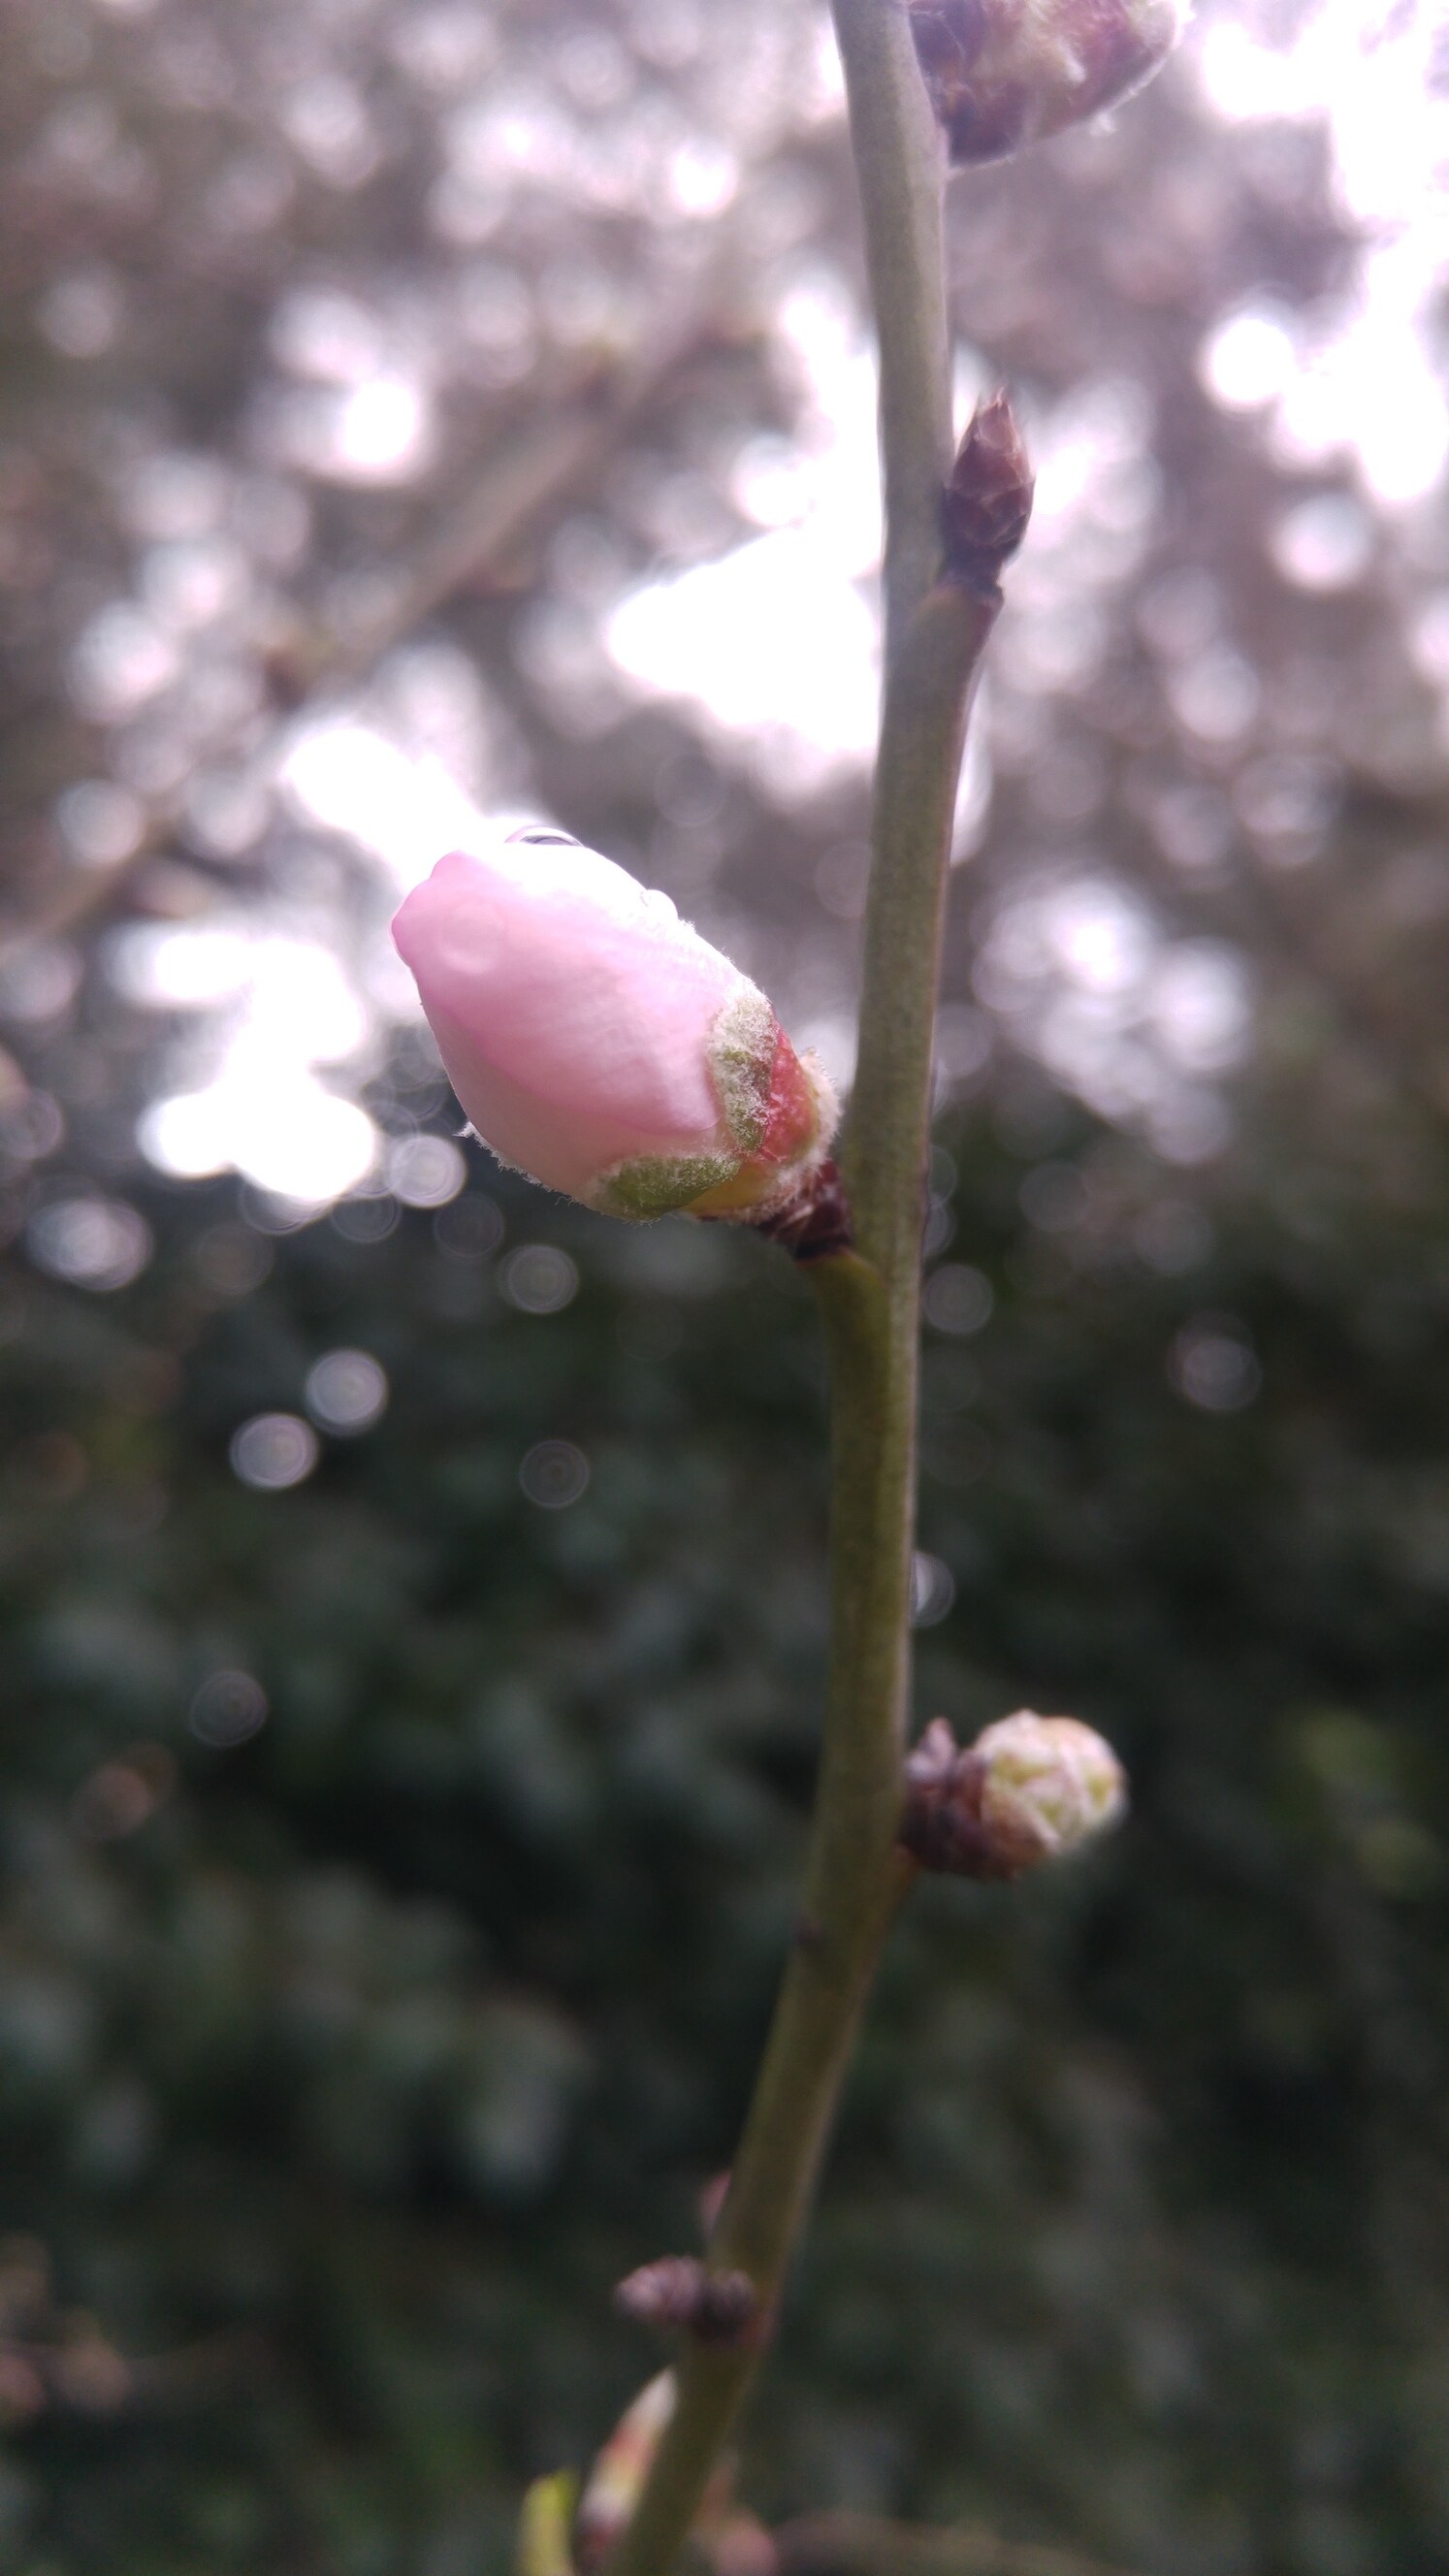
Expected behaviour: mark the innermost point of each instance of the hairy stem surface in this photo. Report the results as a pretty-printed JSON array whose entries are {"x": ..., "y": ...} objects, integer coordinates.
[{"x": 935, "y": 630}]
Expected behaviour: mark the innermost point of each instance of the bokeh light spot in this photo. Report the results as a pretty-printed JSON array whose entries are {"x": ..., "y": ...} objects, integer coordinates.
[
  {"x": 1325, "y": 543},
  {"x": 229, "y": 1706},
  {"x": 539, "y": 1279},
  {"x": 933, "y": 1590},
  {"x": 1247, "y": 358},
  {"x": 554, "y": 1474},
  {"x": 346, "y": 1391},
  {"x": 100, "y": 823},
  {"x": 469, "y": 1228},
  {"x": 118, "y": 1797},
  {"x": 93, "y": 1242},
  {"x": 370, "y": 1217},
  {"x": 425, "y": 1171},
  {"x": 273, "y": 1451},
  {"x": 1213, "y": 1363},
  {"x": 957, "y": 1298}
]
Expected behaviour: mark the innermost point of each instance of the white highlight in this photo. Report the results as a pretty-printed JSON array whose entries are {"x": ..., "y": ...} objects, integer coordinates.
[
  {"x": 1368, "y": 387},
  {"x": 776, "y": 642},
  {"x": 346, "y": 1392}
]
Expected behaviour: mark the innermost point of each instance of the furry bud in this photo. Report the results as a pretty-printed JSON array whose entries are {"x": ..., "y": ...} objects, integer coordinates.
[
  {"x": 680, "y": 2291},
  {"x": 1029, "y": 1789},
  {"x": 1005, "y": 73}
]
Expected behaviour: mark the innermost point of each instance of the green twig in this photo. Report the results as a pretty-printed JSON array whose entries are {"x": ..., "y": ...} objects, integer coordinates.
[
  {"x": 935, "y": 630},
  {"x": 899, "y": 163}
]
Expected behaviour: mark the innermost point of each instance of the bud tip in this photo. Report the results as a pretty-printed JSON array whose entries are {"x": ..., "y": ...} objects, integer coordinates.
[{"x": 987, "y": 502}]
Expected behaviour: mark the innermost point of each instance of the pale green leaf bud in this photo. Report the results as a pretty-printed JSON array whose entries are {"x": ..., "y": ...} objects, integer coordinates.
[{"x": 1049, "y": 1784}]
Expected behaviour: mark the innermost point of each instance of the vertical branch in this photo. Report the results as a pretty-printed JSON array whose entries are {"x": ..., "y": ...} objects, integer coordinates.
[
  {"x": 935, "y": 629},
  {"x": 900, "y": 167}
]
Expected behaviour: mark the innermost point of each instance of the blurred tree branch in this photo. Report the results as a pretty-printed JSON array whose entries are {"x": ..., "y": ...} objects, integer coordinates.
[
  {"x": 508, "y": 496},
  {"x": 1282, "y": 918},
  {"x": 549, "y": 460}
]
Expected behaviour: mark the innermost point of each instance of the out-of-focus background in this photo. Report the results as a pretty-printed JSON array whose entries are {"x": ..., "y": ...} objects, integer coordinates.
[{"x": 418, "y": 416}]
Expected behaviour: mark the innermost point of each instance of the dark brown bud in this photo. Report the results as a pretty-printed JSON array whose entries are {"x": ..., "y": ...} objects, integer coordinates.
[
  {"x": 987, "y": 503},
  {"x": 1004, "y": 73},
  {"x": 1029, "y": 1789},
  {"x": 941, "y": 1818},
  {"x": 681, "y": 2292}
]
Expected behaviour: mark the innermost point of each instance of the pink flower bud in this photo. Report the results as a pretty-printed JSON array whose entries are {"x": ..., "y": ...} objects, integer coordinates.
[
  {"x": 598, "y": 1043},
  {"x": 612, "y": 2490},
  {"x": 680, "y": 2290}
]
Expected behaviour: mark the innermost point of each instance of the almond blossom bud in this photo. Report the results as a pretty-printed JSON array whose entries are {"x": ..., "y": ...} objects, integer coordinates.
[
  {"x": 1029, "y": 1789},
  {"x": 678, "y": 2290},
  {"x": 618, "y": 2474},
  {"x": 597, "y": 1042},
  {"x": 986, "y": 506},
  {"x": 1003, "y": 73}
]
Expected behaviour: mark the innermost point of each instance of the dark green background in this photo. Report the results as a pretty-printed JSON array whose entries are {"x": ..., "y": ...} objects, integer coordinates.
[{"x": 400, "y": 2032}]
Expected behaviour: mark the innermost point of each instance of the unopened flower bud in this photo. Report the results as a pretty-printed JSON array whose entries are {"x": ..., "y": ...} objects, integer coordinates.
[
  {"x": 682, "y": 2292},
  {"x": 597, "y": 1042},
  {"x": 1029, "y": 1789},
  {"x": 1004, "y": 73},
  {"x": 619, "y": 2472},
  {"x": 987, "y": 502}
]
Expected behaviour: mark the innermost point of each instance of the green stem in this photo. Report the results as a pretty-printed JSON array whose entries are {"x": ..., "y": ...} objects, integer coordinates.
[
  {"x": 935, "y": 631},
  {"x": 900, "y": 167}
]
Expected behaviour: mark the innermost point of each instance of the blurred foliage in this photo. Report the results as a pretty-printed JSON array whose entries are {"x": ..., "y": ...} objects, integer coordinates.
[
  {"x": 402, "y": 1809},
  {"x": 366, "y": 2055}
]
